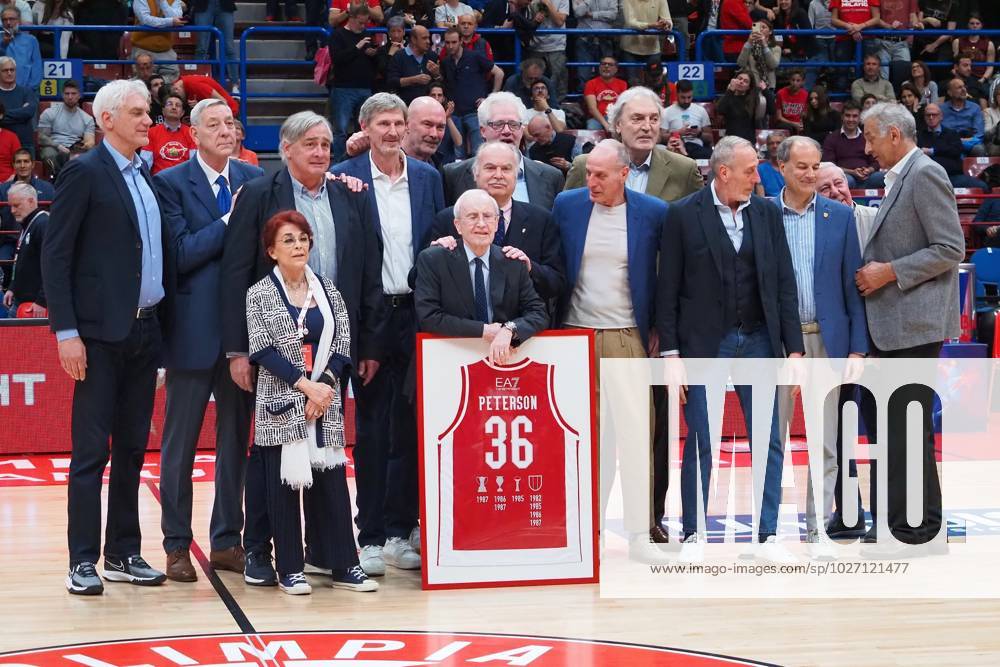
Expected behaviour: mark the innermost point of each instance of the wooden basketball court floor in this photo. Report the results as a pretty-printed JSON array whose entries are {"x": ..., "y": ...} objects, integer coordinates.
[{"x": 37, "y": 611}]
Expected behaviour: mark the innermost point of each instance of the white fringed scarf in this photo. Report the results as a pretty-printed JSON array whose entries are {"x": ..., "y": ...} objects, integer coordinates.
[{"x": 298, "y": 458}]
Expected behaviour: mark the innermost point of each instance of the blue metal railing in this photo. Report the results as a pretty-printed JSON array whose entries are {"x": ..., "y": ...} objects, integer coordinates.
[
  {"x": 218, "y": 63},
  {"x": 859, "y": 45}
]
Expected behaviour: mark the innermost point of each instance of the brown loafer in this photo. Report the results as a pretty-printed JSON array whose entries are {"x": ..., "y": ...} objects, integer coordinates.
[
  {"x": 231, "y": 559},
  {"x": 179, "y": 566},
  {"x": 658, "y": 535}
]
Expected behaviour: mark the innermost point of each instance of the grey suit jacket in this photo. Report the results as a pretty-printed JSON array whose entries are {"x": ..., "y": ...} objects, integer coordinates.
[
  {"x": 543, "y": 181},
  {"x": 671, "y": 176},
  {"x": 917, "y": 230}
]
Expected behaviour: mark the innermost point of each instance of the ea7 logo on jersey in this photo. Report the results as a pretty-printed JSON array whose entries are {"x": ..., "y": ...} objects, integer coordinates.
[
  {"x": 506, "y": 383},
  {"x": 358, "y": 649}
]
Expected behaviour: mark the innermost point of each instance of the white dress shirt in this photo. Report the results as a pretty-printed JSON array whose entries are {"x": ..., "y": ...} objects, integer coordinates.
[
  {"x": 897, "y": 169},
  {"x": 395, "y": 219},
  {"x": 212, "y": 176},
  {"x": 471, "y": 257}
]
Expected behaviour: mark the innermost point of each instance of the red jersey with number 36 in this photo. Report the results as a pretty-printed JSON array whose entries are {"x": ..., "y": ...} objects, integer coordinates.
[{"x": 513, "y": 462}]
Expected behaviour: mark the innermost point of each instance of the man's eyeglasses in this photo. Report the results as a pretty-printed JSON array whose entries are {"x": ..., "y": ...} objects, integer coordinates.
[{"x": 498, "y": 125}]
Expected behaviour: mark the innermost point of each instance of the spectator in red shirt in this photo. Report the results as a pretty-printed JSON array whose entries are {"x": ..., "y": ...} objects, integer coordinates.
[
  {"x": 791, "y": 103},
  {"x": 9, "y": 143},
  {"x": 194, "y": 88},
  {"x": 170, "y": 143},
  {"x": 853, "y": 16},
  {"x": 317, "y": 12},
  {"x": 601, "y": 92},
  {"x": 241, "y": 152},
  {"x": 734, "y": 15}
]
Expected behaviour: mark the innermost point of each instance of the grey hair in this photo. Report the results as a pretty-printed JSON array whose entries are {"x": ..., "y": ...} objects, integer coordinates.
[
  {"x": 112, "y": 96},
  {"x": 618, "y": 147},
  {"x": 395, "y": 22},
  {"x": 485, "y": 111},
  {"x": 891, "y": 114},
  {"x": 615, "y": 110},
  {"x": 7, "y": 60},
  {"x": 204, "y": 106},
  {"x": 296, "y": 126},
  {"x": 831, "y": 165},
  {"x": 24, "y": 190},
  {"x": 725, "y": 150},
  {"x": 468, "y": 196},
  {"x": 785, "y": 147},
  {"x": 380, "y": 103},
  {"x": 479, "y": 152}
]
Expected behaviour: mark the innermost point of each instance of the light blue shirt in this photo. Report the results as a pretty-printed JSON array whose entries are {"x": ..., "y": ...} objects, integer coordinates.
[
  {"x": 800, "y": 230},
  {"x": 148, "y": 214},
  {"x": 471, "y": 256},
  {"x": 24, "y": 50},
  {"x": 521, "y": 187},
  {"x": 638, "y": 174},
  {"x": 316, "y": 209},
  {"x": 409, "y": 52},
  {"x": 733, "y": 222}
]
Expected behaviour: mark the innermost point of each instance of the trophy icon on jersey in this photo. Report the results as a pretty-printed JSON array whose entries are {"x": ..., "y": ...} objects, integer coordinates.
[
  {"x": 535, "y": 482},
  {"x": 517, "y": 485},
  {"x": 499, "y": 483},
  {"x": 482, "y": 485}
]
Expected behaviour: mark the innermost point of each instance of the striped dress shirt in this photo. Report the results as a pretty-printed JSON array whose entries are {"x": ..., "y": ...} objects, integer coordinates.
[{"x": 800, "y": 230}]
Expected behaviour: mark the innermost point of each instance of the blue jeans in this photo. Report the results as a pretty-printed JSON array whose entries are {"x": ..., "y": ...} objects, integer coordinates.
[
  {"x": 213, "y": 15},
  {"x": 344, "y": 106},
  {"x": 698, "y": 444},
  {"x": 874, "y": 182},
  {"x": 468, "y": 125}
]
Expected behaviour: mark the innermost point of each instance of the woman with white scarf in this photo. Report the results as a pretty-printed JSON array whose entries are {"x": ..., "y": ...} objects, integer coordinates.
[{"x": 300, "y": 339}]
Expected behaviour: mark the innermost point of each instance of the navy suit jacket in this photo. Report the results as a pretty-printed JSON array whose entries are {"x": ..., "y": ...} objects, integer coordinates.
[
  {"x": 840, "y": 310},
  {"x": 690, "y": 313},
  {"x": 426, "y": 196},
  {"x": 645, "y": 216},
  {"x": 194, "y": 338},
  {"x": 92, "y": 255}
]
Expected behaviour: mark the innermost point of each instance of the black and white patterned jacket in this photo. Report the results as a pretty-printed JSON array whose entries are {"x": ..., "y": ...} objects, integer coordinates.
[{"x": 280, "y": 409}]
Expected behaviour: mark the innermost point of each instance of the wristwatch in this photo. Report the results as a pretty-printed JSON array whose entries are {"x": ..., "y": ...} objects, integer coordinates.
[
  {"x": 548, "y": 111},
  {"x": 512, "y": 328}
]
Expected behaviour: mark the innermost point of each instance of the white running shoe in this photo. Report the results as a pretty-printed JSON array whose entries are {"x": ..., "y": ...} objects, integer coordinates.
[
  {"x": 415, "y": 538},
  {"x": 371, "y": 560},
  {"x": 398, "y": 553},
  {"x": 692, "y": 549},
  {"x": 773, "y": 552}
]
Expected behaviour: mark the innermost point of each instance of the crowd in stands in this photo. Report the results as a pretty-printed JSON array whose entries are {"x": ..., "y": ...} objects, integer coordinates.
[{"x": 771, "y": 82}]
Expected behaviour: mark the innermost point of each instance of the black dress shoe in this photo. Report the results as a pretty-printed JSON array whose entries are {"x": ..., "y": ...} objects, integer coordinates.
[
  {"x": 894, "y": 551},
  {"x": 658, "y": 535},
  {"x": 836, "y": 529},
  {"x": 871, "y": 537}
]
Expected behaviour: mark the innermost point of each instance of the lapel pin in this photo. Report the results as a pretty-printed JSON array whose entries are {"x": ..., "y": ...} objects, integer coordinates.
[
  {"x": 826, "y": 214},
  {"x": 524, "y": 230}
]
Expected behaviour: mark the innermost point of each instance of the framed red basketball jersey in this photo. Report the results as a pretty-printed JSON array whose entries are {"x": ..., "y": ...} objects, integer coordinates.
[{"x": 508, "y": 473}]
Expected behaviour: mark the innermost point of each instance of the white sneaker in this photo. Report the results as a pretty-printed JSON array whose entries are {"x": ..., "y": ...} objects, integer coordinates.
[
  {"x": 371, "y": 560},
  {"x": 235, "y": 92},
  {"x": 315, "y": 569},
  {"x": 641, "y": 550},
  {"x": 772, "y": 552},
  {"x": 415, "y": 538},
  {"x": 692, "y": 549},
  {"x": 820, "y": 547},
  {"x": 398, "y": 553}
]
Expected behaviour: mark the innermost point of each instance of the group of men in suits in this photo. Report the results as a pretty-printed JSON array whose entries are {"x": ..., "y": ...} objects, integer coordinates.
[{"x": 717, "y": 273}]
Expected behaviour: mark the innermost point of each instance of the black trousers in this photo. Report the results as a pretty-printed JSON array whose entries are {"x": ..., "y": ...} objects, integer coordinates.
[
  {"x": 328, "y": 504},
  {"x": 115, "y": 400},
  {"x": 188, "y": 393},
  {"x": 661, "y": 439},
  {"x": 385, "y": 455},
  {"x": 317, "y": 12},
  {"x": 896, "y": 450},
  {"x": 848, "y": 394}
]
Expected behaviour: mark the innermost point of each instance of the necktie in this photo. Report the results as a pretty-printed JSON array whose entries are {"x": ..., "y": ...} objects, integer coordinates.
[
  {"x": 501, "y": 234},
  {"x": 224, "y": 199},
  {"x": 482, "y": 311}
]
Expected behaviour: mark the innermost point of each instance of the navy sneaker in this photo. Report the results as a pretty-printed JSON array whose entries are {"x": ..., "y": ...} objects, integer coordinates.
[
  {"x": 353, "y": 579},
  {"x": 132, "y": 570},
  {"x": 83, "y": 580},
  {"x": 295, "y": 584},
  {"x": 258, "y": 570}
]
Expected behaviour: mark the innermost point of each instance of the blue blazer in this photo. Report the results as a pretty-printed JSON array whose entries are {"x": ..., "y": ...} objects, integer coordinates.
[
  {"x": 644, "y": 219},
  {"x": 193, "y": 341},
  {"x": 426, "y": 196},
  {"x": 840, "y": 310}
]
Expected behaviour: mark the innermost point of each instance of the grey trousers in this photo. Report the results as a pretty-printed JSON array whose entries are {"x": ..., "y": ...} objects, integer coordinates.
[
  {"x": 188, "y": 393},
  {"x": 816, "y": 350}
]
